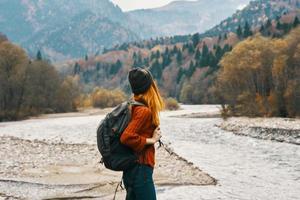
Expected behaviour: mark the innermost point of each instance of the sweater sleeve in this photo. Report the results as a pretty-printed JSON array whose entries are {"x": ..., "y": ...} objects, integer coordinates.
[{"x": 130, "y": 136}]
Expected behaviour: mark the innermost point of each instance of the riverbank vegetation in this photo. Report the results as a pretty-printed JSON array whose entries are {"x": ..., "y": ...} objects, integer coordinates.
[
  {"x": 171, "y": 104},
  {"x": 261, "y": 77},
  {"x": 32, "y": 86}
]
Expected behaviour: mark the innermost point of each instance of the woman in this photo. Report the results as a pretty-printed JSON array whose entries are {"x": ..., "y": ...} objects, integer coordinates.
[{"x": 141, "y": 134}]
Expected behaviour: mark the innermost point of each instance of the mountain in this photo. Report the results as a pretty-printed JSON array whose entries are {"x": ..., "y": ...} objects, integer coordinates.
[
  {"x": 255, "y": 13},
  {"x": 66, "y": 28},
  {"x": 185, "y": 67},
  {"x": 86, "y": 33},
  {"x": 186, "y": 17}
]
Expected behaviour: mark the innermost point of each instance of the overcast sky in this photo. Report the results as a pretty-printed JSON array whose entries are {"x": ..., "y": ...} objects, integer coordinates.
[{"x": 126, "y": 5}]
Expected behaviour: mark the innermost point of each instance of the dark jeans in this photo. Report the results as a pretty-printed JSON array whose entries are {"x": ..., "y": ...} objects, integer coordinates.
[{"x": 139, "y": 184}]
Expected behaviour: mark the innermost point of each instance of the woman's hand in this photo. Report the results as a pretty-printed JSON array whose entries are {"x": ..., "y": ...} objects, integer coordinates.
[
  {"x": 155, "y": 138},
  {"x": 156, "y": 134}
]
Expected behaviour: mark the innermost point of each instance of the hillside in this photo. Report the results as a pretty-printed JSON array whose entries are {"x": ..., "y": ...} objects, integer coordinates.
[
  {"x": 62, "y": 28},
  {"x": 186, "y": 17},
  {"x": 185, "y": 69},
  {"x": 255, "y": 13},
  {"x": 86, "y": 33}
]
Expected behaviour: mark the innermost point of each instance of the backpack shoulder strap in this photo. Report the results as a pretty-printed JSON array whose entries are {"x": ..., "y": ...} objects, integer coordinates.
[{"x": 136, "y": 103}]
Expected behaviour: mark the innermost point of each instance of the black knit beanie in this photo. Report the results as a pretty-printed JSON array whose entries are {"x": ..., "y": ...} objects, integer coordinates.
[{"x": 140, "y": 80}]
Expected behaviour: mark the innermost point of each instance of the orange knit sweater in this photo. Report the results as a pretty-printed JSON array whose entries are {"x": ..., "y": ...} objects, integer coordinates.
[{"x": 139, "y": 128}]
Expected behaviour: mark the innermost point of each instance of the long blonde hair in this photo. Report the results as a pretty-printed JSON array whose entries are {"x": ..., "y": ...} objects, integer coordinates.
[{"x": 153, "y": 100}]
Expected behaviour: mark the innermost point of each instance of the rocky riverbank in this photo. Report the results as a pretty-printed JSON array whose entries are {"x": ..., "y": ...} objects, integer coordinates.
[
  {"x": 41, "y": 170},
  {"x": 278, "y": 129}
]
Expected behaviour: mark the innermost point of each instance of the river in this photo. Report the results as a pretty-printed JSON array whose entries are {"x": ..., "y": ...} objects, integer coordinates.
[{"x": 246, "y": 168}]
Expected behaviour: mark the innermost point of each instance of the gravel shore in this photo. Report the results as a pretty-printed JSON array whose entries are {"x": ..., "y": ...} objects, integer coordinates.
[
  {"x": 278, "y": 129},
  {"x": 40, "y": 170}
]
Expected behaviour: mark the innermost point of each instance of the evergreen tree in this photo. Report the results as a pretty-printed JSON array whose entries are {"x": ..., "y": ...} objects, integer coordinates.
[
  {"x": 166, "y": 60},
  {"x": 262, "y": 29},
  {"x": 105, "y": 50},
  {"x": 124, "y": 47},
  {"x": 184, "y": 47},
  {"x": 76, "y": 68},
  {"x": 205, "y": 50},
  {"x": 191, "y": 69},
  {"x": 191, "y": 49},
  {"x": 278, "y": 25},
  {"x": 98, "y": 66},
  {"x": 146, "y": 62},
  {"x": 175, "y": 49},
  {"x": 213, "y": 62},
  {"x": 152, "y": 56},
  {"x": 198, "y": 54},
  {"x": 167, "y": 51},
  {"x": 195, "y": 39},
  {"x": 219, "y": 38},
  {"x": 179, "y": 57},
  {"x": 179, "y": 75},
  {"x": 39, "y": 55},
  {"x": 225, "y": 36},
  {"x": 219, "y": 53},
  {"x": 268, "y": 24},
  {"x": 156, "y": 70},
  {"x": 134, "y": 56},
  {"x": 116, "y": 67},
  {"x": 247, "y": 30},
  {"x": 239, "y": 31},
  {"x": 296, "y": 22},
  {"x": 286, "y": 27},
  {"x": 205, "y": 56},
  {"x": 226, "y": 48},
  {"x": 157, "y": 54},
  {"x": 197, "y": 63}
]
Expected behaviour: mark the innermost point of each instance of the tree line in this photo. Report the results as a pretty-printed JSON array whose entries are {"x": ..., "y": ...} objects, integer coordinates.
[
  {"x": 261, "y": 77},
  {"x": 31, "y": 86},
  {"x": 187, "y": 71}
]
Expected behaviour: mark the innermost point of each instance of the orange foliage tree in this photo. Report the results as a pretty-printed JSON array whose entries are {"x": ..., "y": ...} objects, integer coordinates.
[{"x": 261, "y": 77}]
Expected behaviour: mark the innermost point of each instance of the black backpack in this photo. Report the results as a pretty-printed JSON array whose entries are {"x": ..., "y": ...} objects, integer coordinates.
[{"x": 115, "y": 155}]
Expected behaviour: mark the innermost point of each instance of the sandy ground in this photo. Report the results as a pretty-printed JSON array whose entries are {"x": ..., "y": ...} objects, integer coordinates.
[{"x": 39, "y": 170}]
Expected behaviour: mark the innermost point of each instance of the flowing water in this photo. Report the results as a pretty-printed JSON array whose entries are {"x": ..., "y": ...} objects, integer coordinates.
[{"x": 246, "y": 168}]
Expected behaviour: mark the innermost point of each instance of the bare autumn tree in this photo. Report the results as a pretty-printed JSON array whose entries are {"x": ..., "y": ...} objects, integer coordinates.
[
  {"x": 42, "y": 84},
  {"x": 262, "y": 77},
  {"x": 245, "y": 73},
  {"x": 292, "y": 93},
  {"x": 31, "y": 87},
  {"x": 13, "y": 66},
  {"x": 102, "y": 98},
  {"x": 68, "y": 94}
]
